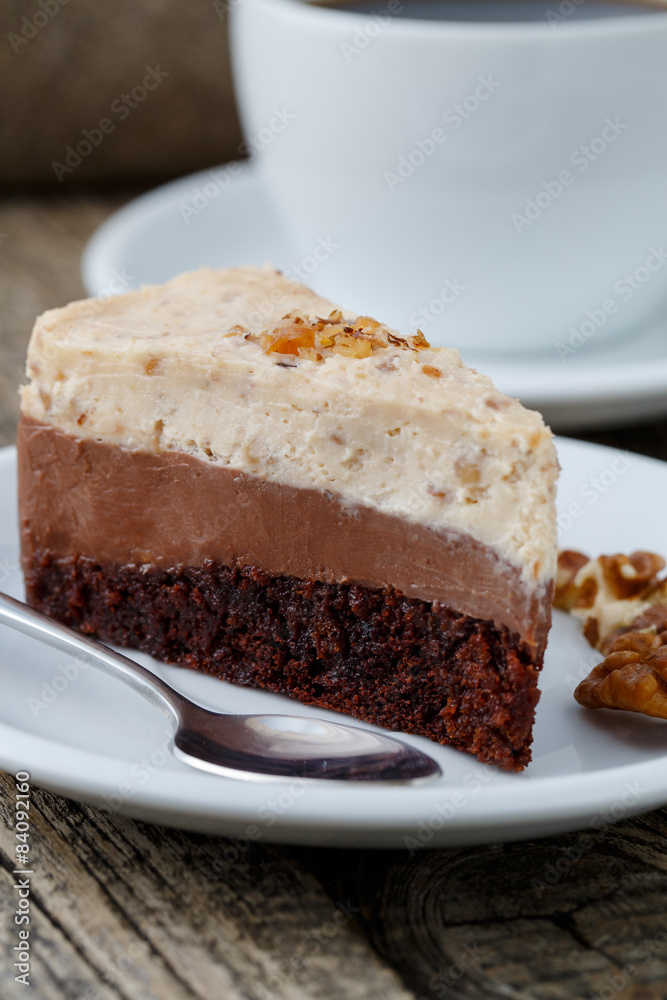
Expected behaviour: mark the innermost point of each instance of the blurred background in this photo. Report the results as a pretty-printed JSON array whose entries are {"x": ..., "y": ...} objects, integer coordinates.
[
  {"x": 65, "y": 66},
  {"x": 147, "y": 84}
]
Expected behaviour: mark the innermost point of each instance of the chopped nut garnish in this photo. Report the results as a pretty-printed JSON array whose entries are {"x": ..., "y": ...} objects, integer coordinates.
[{"x": 315, "y": 338}]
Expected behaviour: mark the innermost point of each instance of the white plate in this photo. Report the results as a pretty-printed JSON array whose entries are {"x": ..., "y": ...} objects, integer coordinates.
[
  {"x": 150, "y": 240},
  {"x": 86, "y": 736}
]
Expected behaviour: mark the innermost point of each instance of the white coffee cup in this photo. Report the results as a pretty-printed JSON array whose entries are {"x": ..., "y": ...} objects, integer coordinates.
[{"x": 502, "y": 186}]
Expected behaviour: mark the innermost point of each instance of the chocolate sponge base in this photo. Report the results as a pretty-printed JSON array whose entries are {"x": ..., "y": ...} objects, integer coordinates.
[{"x": 374, "y": 654}]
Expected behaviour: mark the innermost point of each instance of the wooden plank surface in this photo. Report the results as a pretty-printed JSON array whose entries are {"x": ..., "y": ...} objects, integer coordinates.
[
  {"x": 125, "y": 909},
  {"x": 122, "y": 909},
  {"x": 562, "y": 918}
]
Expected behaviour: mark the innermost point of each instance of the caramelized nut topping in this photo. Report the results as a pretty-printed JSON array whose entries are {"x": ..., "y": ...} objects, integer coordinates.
[
  {"x": 315, "y": 338},
  {"x": 419, "y": 341}
]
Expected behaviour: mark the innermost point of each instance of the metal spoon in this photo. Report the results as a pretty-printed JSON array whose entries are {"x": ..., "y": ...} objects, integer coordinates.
[{"x": 254, "y": 747}]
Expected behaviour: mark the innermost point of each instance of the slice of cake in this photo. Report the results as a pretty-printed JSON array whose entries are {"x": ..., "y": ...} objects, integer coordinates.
[{"x": 232, "y": 474}]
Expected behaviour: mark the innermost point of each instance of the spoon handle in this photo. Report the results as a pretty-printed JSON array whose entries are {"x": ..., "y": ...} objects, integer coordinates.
[{"x": 33, "y": 623}]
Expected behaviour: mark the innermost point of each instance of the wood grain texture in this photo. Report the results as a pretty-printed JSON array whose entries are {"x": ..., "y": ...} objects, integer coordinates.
[
  {"x": 575, "y": 917},
  {"x": 125, "y": 909}
]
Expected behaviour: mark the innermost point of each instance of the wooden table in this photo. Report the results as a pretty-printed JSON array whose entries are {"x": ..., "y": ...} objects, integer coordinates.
[{"x": 122, "y": 909}]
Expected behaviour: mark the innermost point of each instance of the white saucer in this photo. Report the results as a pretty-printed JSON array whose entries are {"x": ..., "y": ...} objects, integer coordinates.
[
  {"x": 149, "y": 241},
  {"x": 86, "y": 736}
]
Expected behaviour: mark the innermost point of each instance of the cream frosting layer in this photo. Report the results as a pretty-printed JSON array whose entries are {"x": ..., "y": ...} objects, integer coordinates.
[{"x": 156, "y": 370}]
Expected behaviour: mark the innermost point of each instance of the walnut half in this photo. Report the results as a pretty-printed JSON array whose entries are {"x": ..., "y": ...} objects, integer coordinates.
[
  {"x": 632, "y": 677},
  {"x": 622, "y": 604},
  {"x": 613, "y": 594}
]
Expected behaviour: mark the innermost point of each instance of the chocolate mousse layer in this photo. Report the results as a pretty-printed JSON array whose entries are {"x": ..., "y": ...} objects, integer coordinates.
[{"x": 83, "y": 499}]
